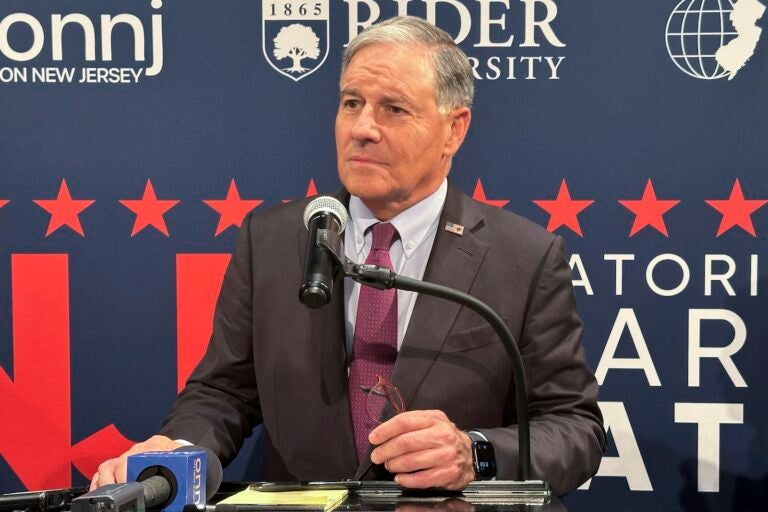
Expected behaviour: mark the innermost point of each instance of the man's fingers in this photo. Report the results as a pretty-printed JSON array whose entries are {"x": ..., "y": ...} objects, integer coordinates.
[
  {"x": 115, "y": 470},
  {"x": 105, "y": 474},
  {"x": 424, "y": 449},
  {"x": 434, "y": 454},
  {"x": 402, "y": 423},
  {"x": 445, "y": 477},
  {"x": 112, "y": 471},
  {"x": 439, "y": 456},
  {"x": 403, "y": 444},
  {"x": 94, "y": 481},
  {"x": 440, "y": 433},
  {"x": 121, "y": 470},
  {"x": 417, "y": 461}
]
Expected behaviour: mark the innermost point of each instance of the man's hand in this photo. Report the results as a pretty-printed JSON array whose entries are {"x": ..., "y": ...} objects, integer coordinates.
[
  {"x": 424, "y": 449},
  {"x": 114, "y": 470}
]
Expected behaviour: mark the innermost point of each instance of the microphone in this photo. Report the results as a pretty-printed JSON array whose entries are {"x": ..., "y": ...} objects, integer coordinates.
[
  {"x": 322, "y": 214},
  {"x": 40, "y": 501},
  {"x": 157, "y": 481},
  {"x": 384, "y": 279}
]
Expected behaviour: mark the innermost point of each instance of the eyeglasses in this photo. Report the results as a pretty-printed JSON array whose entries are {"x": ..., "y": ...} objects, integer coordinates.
[{"x": 380, "y": 394}]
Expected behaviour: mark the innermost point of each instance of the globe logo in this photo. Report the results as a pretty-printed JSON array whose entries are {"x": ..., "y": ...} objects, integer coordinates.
[{"x": 711, "y": 39}]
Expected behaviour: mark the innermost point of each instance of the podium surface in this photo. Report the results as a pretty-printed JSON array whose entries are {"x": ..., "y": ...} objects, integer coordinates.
[
  {"x": 363, "y": 496},
  {"x": 362, "y": 499}
]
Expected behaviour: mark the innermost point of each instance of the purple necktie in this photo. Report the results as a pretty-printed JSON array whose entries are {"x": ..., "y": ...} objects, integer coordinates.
[{"x": 375, "y": 341}]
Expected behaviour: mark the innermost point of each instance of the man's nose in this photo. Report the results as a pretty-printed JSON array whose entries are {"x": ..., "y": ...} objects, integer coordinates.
[{"x": 365, "y": 128}]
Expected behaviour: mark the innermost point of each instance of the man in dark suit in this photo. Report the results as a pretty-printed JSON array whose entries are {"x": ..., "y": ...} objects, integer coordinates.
[{"x": 406, "y": 92}]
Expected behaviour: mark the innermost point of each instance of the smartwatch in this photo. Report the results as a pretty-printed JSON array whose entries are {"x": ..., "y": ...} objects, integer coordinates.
[{"x": 483, "y": 456}]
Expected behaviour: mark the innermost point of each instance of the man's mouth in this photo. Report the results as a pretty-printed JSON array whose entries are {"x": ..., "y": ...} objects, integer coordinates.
[{"x": 364, "y": 160}]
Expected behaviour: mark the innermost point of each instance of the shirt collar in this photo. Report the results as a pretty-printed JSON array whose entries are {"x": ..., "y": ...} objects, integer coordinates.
[{"x": 413, "y": 224}]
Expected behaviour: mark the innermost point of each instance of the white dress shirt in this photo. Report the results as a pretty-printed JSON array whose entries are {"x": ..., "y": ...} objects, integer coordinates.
[{"x": 417, "y": 227}]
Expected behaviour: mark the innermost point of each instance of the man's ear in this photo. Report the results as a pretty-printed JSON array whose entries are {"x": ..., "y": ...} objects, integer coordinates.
[{"x": 459, "y": 119}]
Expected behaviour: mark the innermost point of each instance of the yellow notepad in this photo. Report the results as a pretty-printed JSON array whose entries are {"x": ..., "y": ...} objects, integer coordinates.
[{"x": 325, "y": 499}]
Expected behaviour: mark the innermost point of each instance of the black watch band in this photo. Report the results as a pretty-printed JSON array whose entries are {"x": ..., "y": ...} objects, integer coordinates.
[{"x": 483, "y": 456}]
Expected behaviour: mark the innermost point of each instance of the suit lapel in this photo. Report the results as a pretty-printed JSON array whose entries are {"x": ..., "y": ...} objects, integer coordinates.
[{"x": 454, "y": 262}]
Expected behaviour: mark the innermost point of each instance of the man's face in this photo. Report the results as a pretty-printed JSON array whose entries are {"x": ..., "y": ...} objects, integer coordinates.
[{"x": 393, "y": 145}]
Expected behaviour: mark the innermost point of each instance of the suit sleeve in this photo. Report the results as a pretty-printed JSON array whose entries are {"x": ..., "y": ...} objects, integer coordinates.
[
  {"x": 219, "y": 406},
  {"x": 567, "y": 436}
]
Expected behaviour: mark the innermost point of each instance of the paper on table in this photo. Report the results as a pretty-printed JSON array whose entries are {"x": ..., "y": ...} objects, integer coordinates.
[{"x": 326, "y": 499}]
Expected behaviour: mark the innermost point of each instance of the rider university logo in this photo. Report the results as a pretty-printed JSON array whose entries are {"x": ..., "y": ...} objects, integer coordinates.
[
  {"x": 295, "y": 35},
  {"x": 712, "y": 39}
]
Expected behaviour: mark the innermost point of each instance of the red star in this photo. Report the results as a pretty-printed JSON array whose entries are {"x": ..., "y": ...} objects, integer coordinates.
[
  {"x": 736, "y": 210},
  {"x": 311, "y": 191},
  {"x": 149, "y": 210},
  {"x": 64, "y": 210},
  {"x": 479, "y": 195},
  {"x": 563, "y": 210},
  {"x": 648, "y": 210},
  {"x": 4, "y": 202},
  {"x": 232, "y": 209}
]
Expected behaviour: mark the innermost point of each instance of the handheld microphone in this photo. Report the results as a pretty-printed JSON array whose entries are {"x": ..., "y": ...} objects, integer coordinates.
[
  {"x": 189, "y": 475},
  {"x": 320, "y": 268}
]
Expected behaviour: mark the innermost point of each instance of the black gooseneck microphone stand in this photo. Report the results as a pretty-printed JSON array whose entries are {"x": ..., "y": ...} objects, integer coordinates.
[{"x": 384, "y": 279}]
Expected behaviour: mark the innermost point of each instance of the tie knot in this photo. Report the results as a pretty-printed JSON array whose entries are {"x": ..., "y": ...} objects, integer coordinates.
[{"x": 384, "y": 234}]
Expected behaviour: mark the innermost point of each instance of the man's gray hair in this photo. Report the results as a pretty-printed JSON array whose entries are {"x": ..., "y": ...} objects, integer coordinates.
[{"x": 454, "y": 82}]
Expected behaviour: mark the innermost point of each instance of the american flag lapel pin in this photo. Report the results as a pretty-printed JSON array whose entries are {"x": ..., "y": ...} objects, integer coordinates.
[{"x": 456, "y": 229}]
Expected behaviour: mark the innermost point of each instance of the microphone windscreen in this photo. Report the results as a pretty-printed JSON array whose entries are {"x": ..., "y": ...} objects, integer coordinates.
[
  {"x": 329, "y": 205},
  {"x": 214, "y": 473},
  {"x": 184, "y": 469}
]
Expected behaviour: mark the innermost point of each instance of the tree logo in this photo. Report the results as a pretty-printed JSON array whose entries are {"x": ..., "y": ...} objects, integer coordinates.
[{"x": 295, "y": 36}]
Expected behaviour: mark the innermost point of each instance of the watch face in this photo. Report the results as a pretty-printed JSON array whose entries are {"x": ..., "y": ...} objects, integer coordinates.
[{"x": 485, "y": 459}]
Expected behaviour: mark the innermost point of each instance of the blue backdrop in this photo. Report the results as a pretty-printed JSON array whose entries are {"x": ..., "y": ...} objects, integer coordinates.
[{"x": 635, "y": 130}]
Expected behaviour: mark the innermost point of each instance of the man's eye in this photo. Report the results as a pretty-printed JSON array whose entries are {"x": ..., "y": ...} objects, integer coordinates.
[
  {"x": 396, "y": 110},
  {"x": 351, "y": 104}
]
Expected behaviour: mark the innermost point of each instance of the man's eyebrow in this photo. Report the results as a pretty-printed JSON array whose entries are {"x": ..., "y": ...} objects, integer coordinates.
[
  {"x": 386, "y": 99},
  {"x": 348, "y": 91},
  {"x": 396, "y": 98}
]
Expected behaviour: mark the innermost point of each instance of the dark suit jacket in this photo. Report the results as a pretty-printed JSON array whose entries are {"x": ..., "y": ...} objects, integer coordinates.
[{"x": 272, "y": 360}]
